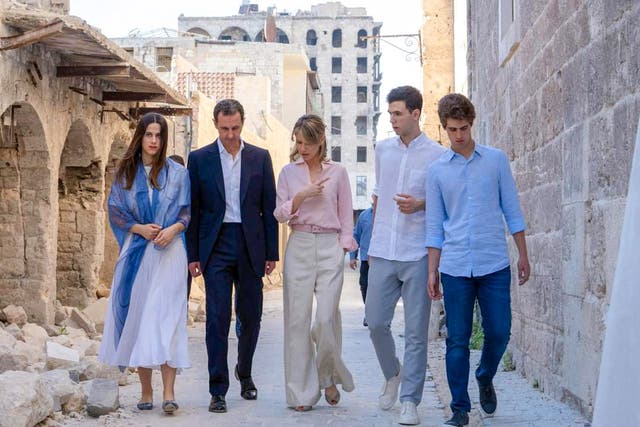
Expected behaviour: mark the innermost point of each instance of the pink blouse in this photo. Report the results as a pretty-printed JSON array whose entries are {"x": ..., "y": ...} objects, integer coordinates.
[{"x": 331, "y": 210}]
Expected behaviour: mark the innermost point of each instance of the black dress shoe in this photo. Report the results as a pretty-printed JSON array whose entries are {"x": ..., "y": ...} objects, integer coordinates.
[
  {"x": 248, "y": 389},
  {"x": 218, "y": 404}
]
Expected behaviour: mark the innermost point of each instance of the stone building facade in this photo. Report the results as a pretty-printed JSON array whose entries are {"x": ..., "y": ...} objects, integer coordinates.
[
  {"x": 57, "y": 139},
  {"x": 348, "y": 68},
  {"x": 556, "y": 86}
]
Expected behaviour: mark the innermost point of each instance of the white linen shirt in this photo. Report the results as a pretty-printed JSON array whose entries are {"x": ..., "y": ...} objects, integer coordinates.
[
  {"x": 401, "y": 169},
  {"x": 231, "y": 176}
]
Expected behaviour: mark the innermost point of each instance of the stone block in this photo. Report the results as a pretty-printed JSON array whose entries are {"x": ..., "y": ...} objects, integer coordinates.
[
  {"x": 545, "y": 164},
  {"x": 15, "y": 314},
  {"x": 59, "y": 386},
  {"x": 91, "y": 368},
  {"x": 103, "y": 397},
  {"x": 35, "y": 334},
  {"x": 82, "y": 321},
  {"x": 11, "y": 360},
  {"x": 575, "y": 148},
  {"x": 33, "y": 353},
  {"x": 86, "y": 222},
  {"x": 15, "y": 330},
  {"x": 96, "y": 312},
  {"x": 59, "y": 356},
  {"x": 25, "y": 401},
  {"x": 573, "y": 249}
]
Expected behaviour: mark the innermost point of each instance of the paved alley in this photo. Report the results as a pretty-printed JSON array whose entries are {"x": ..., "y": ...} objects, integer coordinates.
[{"x": 520, "y": 404}]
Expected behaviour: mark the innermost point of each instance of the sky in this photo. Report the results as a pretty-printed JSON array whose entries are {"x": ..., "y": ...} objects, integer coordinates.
[{"x": 117, "y": 18}]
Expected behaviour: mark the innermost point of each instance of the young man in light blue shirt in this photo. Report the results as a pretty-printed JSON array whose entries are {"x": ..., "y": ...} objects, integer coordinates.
[
  {"x": 470, "y": 189},
  {"x": 362, "y": 235}
]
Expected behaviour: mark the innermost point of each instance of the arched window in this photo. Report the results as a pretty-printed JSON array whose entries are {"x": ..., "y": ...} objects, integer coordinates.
[
  {"x": 197, "y": 31},
  {"x": 234, "y": 33},
  {"x": 312, "y": 38},
  {"x": 361, "y": 41},
  {"x": 336, "y": 39},
  {"x": 281, "y": 37}
]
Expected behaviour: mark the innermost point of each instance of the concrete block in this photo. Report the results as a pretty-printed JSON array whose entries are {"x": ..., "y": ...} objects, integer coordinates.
[
  {"x": 59, "y": 356},
  {"x": 103, "y": 397}
]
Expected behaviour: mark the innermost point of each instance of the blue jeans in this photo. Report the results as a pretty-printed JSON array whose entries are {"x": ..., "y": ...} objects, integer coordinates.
[{"x": 494, "y": 298}]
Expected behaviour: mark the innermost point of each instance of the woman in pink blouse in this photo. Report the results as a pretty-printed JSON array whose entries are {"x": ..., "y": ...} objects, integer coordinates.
[{"x": 314, "y": 197}]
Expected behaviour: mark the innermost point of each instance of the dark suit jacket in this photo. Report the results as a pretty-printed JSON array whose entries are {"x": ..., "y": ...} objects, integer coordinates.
[{"x": 257, "y": 203}]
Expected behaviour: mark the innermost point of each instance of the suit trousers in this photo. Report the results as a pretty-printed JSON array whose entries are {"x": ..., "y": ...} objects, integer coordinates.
[
  {"x": 388, "y": 280},
  {"x": 227, "y": 266},
  {"x": 313, "y": 265}
]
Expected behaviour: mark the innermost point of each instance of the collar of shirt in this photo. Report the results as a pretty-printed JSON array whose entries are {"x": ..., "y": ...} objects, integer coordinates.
[
  {"x": 300, "y": 161},
  {"x": 419, "y": 140},
  {"x": 478, "y": 149},
  {"x": 223, "y": 151}
]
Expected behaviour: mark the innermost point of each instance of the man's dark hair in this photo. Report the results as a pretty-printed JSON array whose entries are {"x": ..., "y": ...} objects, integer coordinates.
[
  {"x": 410, "y": 95},
  {"x": 455, "y": 106},
  {"x": 228, "y": 107},
  {"x": 177, "y": 158}
]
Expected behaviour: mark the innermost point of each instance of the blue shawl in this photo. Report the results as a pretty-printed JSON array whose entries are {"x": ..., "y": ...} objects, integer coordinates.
[{"x": 170, "y": 204}]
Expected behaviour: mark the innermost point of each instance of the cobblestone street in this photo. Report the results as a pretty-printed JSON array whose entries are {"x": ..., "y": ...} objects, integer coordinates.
[{"x": 519, "y": 403}]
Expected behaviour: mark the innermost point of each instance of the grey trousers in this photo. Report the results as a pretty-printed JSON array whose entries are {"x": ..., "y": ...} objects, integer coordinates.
[{"x": 388, "y": 281}]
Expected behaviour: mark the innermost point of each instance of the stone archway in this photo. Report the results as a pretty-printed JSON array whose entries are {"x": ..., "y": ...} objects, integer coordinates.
[
  {"x": 26, "y": 232},
  {"x": 80, "y": 187},
  {"x": 111, "y": 249}
]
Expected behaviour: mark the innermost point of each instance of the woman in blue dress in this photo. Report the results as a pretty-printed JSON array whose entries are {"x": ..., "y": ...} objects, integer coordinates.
[{"x": 149, "y": 209}]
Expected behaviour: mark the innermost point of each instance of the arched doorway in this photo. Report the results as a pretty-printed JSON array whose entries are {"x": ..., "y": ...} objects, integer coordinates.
[
  {"x": 80, "y": 188},
  {"x": 111, "y": 249},
  {"x": 234, "y": 33},
  {"x": 26, "y": 236}
]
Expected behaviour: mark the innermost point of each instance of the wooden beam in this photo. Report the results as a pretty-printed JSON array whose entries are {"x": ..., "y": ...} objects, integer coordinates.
[
  {"x": 94, "y": 70},
  {"x": 165, "y": 111},
  {"x": 31, "y": 36},
  {"x": 133, "y": 96}
]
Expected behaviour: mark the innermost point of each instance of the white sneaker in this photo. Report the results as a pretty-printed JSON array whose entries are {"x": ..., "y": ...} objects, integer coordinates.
[
  {"x": 409, "y": 414},
  {"x": 389, "y": 394}
]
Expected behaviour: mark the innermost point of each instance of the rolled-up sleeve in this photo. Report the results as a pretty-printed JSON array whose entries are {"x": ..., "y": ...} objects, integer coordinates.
[
  {"x": 284, "y": 200},
  {"x": 509, "y": 202},
  {"x": 435, "y": 212}
]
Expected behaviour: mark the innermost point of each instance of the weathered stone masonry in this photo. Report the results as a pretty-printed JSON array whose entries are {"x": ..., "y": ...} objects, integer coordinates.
[{"x": 565, "y": 108}]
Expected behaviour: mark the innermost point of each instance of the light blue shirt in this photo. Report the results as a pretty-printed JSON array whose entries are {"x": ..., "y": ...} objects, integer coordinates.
[
  {"x": 362, "y": 234},
  {"x": 466, "y": 202}
]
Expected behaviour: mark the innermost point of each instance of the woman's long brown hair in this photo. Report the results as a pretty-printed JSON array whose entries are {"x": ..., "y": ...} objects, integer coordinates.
[{"x": 129, "y": 164}]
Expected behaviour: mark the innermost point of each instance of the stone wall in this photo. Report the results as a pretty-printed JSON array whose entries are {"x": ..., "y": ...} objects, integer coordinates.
[
  {"x": 560, "y": 94},
  {"x": 53, "y": 151}
]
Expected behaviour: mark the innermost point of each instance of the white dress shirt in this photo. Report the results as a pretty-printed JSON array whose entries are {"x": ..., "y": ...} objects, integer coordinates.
[
  {"x": 231, "y": 176},
  {"x": 401, "y": 169}
]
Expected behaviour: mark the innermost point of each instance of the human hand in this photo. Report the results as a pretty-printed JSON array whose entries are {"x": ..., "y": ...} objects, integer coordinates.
[
  {"x": 408, "y": 204},
  {"x": 524, "y": 270},
  {"x": 165, "y": 236},
  {"x": 433, "y": 286},
  {"x": 353, "y": 264},
  {"x": 314, "y": 189},
  {"x": 194, "y": 269},
  {"x": 269, "y": 266},
  {"x": 148, "y": 231}
]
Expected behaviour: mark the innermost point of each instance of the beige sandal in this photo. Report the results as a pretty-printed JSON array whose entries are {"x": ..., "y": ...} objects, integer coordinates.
[{"x": 332, "y": 398}]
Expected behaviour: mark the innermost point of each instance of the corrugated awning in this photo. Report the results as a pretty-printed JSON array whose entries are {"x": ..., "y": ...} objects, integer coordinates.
[{"x": 85, "y": 51}]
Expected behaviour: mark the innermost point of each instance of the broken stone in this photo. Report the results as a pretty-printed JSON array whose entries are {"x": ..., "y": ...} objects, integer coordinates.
[
  {"x": 35, "y": 334},
  {"x": 6, "y": 338},
  {"x": 91, "y": 368},
  {"x": 96, "y": 312},
  {"x": 10, "y": 360},
  {"x": 103, "y": 397},
  {"x": 59, "y": 356},
  {"x": 60, "y": 314},
  {"x": 33, "y": 352},
  {"x": 59, "y": 386},
  {"x": 82, "y": 321},
  {"x": 15, "y": 314},
  {"x": 52, "y": 330},
  {"x": 15, "y": 330},
  {"x": 25, "y": 400}
]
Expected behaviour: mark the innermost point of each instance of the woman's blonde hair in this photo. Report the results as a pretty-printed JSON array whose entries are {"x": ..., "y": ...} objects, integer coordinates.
[{"x": 312, "y": 129}]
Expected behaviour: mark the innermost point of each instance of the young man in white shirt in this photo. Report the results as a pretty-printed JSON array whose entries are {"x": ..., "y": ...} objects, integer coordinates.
[{"x": 397, "y": 253}]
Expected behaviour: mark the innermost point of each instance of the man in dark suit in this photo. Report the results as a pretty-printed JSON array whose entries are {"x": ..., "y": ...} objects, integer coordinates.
[{"x": 232, "y": 240}]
